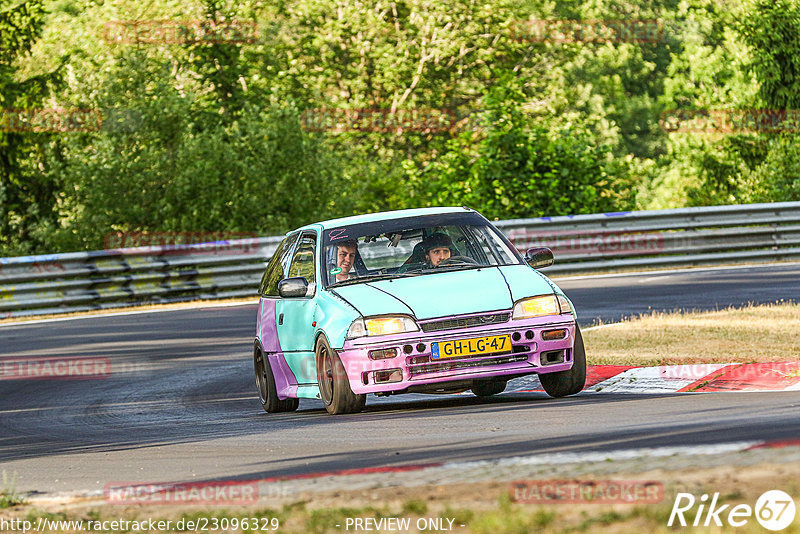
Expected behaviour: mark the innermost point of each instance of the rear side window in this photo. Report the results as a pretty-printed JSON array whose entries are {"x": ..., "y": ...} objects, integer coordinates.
[{"x": 277, "y": 267}]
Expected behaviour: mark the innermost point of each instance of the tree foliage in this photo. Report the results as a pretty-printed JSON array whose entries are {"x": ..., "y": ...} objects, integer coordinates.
[
  {"x": 760, "y": 167},
  {"x": 210, "y": 136},
  {"x": 27, "y": 196},
  {"x": 522, "y": 166}
]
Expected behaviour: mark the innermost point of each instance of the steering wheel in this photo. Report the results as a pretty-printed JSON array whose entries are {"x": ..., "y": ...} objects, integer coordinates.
[
  {"x": 410, "y": 267},
  {"x": 453, "y": 260}
]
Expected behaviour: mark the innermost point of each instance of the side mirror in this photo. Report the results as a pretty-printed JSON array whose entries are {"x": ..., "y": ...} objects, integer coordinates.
[
  {"x": 293, "y": 287},
  {"x": 539, "y": 257}
]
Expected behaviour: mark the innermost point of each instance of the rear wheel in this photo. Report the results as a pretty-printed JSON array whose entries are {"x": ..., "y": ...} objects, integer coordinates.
[
  {"x": 267, "y": 392},
  {"x": 334, "y": 387},
  {"x": 572, "y": 380},
  {"x": 488, "y": 388}
]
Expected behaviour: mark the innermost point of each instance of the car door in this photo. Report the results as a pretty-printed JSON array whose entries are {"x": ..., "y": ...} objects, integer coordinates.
[
  {"x": 295, "y": 316},
  {"x": 267, "y": 321}
]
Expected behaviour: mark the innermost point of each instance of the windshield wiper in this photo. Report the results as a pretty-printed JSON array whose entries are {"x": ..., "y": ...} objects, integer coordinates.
[
  {"x": 458, "y": 267},
  {"x": 371, "y": 278}
]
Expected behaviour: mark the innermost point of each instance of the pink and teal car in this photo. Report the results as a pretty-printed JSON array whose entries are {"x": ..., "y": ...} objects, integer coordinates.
[{"x": 432, "y": 300}]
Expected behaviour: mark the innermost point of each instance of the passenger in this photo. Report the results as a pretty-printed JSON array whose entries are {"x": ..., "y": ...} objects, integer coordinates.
[
  {"x": 437, "y": 248},
  {"x": 345, "y": 257}
]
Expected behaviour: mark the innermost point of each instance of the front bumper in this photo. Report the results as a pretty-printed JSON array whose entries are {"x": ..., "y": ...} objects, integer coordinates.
[{"x": 414, "y": 367}]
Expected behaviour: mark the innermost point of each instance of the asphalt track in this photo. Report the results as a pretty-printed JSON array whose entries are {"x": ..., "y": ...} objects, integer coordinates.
[{"x": 181, "y": 404}]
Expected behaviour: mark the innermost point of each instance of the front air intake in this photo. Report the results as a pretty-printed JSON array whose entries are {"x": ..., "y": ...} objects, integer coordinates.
[{"x": 551, "y": 357}]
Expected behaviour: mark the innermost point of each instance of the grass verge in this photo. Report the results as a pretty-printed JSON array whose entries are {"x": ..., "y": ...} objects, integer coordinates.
[
  {"x": 8, "y": 496},
  {"x": 763, "y": 333}
]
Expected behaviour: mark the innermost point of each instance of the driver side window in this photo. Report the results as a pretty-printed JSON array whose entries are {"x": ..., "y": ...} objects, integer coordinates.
[
  {"x": 303, "y": 260},
  {"x": 277, "y": 266}
]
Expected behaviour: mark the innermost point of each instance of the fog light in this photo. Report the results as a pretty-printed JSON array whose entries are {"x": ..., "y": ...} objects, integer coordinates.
[
  {"x": 408, "y": 349},
  {"x": 382, "y": 354},
  {"x": 421, "y": 347},
  {"x": 516, "y": 336},
  {"x": 529, "y": 334},
  {"x": 388, "y": 375},
  {"x": 551, "y": 335}
]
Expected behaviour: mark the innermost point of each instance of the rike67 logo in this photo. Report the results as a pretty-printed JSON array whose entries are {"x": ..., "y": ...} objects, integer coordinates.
[{"x": 774, "y": 510}]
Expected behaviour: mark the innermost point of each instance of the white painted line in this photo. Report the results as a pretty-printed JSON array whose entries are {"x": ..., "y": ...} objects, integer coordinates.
[
  {"x": 675, "y": 271},
  {"x": 622, "y": 454},
  {"x": 90, "y": 315},
  {"x": 598, "y": 327},
  {"x": 654, "y": 278}
]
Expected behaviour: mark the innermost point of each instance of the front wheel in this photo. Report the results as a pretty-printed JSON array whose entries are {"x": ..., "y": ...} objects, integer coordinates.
[
  {"x": 572, "y": 380},
  {"x": 334, "y": 387},
  {"x": 267, "y": 392}
]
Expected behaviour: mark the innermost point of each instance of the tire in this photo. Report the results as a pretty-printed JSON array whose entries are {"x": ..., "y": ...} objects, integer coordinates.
[
  {"x": 267, "y": 392},
  {"x": 488, "y": 388},
  {"x": 571, "y": 381},
  {"x": 334, "y": 387}
]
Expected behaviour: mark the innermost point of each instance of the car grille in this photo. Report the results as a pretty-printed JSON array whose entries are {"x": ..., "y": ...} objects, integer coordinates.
[
  {"x": 449, "y": 366},
  {"x": 465, "y": 322}
]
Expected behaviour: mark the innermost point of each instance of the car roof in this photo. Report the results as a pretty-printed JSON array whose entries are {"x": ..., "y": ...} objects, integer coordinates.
[{"x": 381, "y": 216}]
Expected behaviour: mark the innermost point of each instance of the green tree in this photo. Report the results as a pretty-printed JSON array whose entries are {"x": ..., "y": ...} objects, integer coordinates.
[
  {"x": 27, "y": 196},
  {"x": 772, "y": 30},
  {"x": 170, "y": 170},
  {"x": 523, "y": 166},
  {"x": 760, "y": 166},
  {"x": 208, "y": 136}
]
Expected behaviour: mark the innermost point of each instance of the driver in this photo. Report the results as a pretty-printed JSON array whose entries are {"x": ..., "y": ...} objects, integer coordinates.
[
  {"x": 437, "y": 248},
  {"x": 345, "y": 257}
]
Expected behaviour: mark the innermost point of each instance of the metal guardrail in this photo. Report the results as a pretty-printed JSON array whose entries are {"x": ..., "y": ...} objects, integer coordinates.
[
  {"x": 81, "y": 281},
  {"x": 663, "y": 238}
]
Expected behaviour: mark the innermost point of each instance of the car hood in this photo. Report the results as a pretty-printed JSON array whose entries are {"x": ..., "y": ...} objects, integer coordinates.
[{"x": 448, "y": 293}]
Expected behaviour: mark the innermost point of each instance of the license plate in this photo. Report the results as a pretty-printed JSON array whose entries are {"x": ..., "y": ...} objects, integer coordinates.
[{"x": 470, "y": 347}]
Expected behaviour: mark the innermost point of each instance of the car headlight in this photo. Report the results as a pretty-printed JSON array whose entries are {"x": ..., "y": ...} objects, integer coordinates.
[
  {"x": 381, "y": 326},
  {"x": 536, "y": 306}
]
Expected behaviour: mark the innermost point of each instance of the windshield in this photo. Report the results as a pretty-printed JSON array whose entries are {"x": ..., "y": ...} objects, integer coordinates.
[{"x": 412, "y": 247}]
